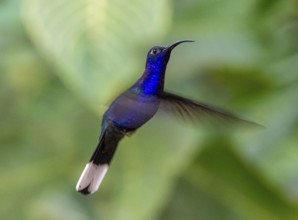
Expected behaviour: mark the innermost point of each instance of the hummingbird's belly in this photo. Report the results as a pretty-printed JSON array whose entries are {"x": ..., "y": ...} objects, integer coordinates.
[{"x": 131, "y": 111}]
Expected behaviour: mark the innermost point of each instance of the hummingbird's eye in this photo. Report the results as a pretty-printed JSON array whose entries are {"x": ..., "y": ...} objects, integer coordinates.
[{"x": 155, "y": 51}]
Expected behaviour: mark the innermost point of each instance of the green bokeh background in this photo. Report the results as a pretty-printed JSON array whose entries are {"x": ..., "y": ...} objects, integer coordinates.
[{"x": 63, "y": 61}]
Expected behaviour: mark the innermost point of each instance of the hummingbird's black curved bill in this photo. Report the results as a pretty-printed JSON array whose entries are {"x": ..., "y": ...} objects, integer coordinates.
[{"x": 172, "y": 46}]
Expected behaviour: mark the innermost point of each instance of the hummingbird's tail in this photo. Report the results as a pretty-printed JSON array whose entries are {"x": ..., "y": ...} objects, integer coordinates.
[{"x": 98, "y": 164}]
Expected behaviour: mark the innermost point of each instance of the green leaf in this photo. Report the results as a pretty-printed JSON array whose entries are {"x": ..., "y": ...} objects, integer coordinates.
[{"x": 94, "y": 43}]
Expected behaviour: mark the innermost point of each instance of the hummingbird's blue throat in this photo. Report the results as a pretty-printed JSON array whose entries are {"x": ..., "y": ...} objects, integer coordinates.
[{"x": 153, "y": 78}]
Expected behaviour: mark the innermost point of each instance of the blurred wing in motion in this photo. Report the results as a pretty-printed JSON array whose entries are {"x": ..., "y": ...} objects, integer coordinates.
[{"x": 194, "y": 111}]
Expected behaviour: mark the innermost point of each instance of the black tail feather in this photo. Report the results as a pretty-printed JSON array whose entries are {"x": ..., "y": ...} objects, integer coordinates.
[
  {"x": 98, "y": 165},
  {"x": 106, "y": 147}
]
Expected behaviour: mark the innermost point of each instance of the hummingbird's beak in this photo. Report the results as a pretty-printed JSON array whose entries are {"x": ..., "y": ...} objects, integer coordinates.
[{"x": 172, "y": 46}]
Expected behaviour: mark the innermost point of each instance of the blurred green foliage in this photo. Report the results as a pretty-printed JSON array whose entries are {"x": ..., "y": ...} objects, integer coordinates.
[{"x": 61, "y": 63}]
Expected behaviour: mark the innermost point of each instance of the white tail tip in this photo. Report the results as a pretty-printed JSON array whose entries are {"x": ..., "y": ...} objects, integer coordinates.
[{"x": 91, "y": 178}]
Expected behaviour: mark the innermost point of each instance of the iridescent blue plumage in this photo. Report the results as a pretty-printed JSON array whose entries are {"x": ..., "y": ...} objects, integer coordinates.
[
  {"x": 134, "y": 107},
  {"x": 152, "y": 80}
]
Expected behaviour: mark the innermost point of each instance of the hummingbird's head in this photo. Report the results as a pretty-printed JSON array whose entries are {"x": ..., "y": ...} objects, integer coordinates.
[{"x": 158, "y": 56}]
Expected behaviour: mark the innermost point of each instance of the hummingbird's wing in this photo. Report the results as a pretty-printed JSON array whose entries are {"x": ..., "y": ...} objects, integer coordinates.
[{"x": 194, "y": 110}]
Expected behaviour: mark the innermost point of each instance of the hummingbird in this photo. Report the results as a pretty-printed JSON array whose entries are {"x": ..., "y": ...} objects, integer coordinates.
[{"x": 137, "y": 105}]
